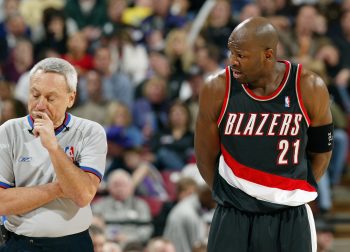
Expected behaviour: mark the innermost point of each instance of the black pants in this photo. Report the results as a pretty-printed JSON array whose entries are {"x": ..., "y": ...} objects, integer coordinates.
[
  {"x": 80, "y": 242},
  {"x": 285, "y": 231}
]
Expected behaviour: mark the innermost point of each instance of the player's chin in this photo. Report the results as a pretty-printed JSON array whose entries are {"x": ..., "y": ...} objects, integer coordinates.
[{"x": 241, "y": 79}]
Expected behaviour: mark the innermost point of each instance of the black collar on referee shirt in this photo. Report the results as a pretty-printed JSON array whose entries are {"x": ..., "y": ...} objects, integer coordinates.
[{"x": 64, "y": 126}]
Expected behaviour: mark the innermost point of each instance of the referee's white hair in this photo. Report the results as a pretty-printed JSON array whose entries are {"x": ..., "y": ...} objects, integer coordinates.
[{"x": 60, "y": 66}]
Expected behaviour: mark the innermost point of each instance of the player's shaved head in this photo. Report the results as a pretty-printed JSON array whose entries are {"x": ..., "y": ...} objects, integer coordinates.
[{"x": 257, "y": 30}]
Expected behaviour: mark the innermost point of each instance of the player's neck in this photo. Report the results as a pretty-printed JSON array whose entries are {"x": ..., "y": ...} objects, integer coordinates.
[{"x": 268, "y": 83}]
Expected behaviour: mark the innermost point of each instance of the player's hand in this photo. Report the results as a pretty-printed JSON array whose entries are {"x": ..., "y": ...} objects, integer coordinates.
[{"x": 43, "y": 128}]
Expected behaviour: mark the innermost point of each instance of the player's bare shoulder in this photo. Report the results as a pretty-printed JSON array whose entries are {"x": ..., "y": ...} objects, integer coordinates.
[
  {"x": 314, "y": 92},
  {"x": 213, "y": 93},
  {"x": 215, "y": 85},
  {"x": 217, "y": 80}
]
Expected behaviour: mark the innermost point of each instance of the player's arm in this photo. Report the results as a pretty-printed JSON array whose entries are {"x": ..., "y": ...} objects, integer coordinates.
[
  {"x": 76, "y": 184},
  {"x": 20, "y": 200},
  {"x": 207, "y": 142},
  {"x": 320, "y": 134}
]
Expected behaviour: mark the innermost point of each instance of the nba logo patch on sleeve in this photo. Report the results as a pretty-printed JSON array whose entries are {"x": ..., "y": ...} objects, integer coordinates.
[
  {"x": 287, "y": 101},
  {"x": 69, "y": 150}
]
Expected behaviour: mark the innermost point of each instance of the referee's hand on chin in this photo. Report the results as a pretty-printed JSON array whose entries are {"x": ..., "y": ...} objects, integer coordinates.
[{"x": 44, "y": 128}]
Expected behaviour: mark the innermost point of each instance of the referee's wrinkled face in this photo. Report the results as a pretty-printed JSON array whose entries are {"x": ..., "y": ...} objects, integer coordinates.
[{"x": 49, "y": 93}]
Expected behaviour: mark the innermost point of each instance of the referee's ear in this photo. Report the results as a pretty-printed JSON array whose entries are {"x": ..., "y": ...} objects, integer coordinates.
[{"x": 71, "y": 98}]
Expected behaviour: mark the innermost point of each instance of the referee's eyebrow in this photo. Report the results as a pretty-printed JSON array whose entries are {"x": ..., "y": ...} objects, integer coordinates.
[{"x": 49, "y": 93}]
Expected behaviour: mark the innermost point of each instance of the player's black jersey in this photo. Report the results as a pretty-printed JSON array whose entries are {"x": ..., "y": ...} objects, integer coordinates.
[{"x": 263, "y": 164}]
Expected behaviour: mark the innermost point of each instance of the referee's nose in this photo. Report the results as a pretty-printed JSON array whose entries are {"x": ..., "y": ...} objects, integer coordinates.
[{"x": 41, "y": 104}]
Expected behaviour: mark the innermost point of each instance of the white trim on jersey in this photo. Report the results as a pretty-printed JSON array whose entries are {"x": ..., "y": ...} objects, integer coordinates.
[
  {"x": 295, "y": 197},
  {"x": 310, "y": 217}
]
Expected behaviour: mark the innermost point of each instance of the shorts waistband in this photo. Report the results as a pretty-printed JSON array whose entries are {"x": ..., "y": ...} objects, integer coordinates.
[{"x": 48, "y": 240}]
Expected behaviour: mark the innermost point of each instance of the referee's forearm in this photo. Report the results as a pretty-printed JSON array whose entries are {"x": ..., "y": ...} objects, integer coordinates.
[
  {"x": 74, "y": 182},
  {"x": 21, "y": 200}
]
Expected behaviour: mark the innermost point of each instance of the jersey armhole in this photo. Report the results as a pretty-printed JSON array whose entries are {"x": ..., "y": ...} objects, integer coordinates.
[
  {"x": 227, "y": 92},
  {"x": 299, "y": 96}
]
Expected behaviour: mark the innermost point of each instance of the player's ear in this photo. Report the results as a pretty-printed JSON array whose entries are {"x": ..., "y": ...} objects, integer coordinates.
[{"x": 269, "y": 54}]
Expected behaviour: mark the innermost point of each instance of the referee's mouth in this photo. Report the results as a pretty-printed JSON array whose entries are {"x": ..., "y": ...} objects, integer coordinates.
[{"x": 36, "y": 115}]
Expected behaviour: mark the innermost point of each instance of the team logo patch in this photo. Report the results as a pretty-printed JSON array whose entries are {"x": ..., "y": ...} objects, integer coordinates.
[{"x": 287, "y": 101}]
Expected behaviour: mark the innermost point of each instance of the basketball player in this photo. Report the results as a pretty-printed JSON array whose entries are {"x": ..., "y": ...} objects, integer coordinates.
[
  {"x": 51, "y": 164},
  {"x": 263, "y": 135}
]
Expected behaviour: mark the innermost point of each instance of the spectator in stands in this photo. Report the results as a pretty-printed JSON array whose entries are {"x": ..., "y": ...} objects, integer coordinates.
[
  {"x": 160, "y": 244},
  {"x": 133, "y": 56},
  {"x": 77, "y": 53},
  {"x": 325, "y": 236},
  {"x": 180, "y": 57},
  {"x": 277, "y": 12},
  {"x": 55, "y": 32},
  {"x": 303, "y": 43},
  {"x": 89, "y": 16},
  {"x": 21, "y": 91},
  {"x": 159, "y": 65},
  {"x": 195, "y": 83},
  {"x": 208, "y": 60},
  {"x": 185, "y": 225},
  {"x": 248, "y": 11},
  {"x": 33, "y": 12},
  {"x": 111, "y": 247},
  {"x": 150, "y": 112},
  {"x": 148, "y": 182},
  {"x": 162, "y": 19},
  {"x": 115, "y": 10},
  {"x": 19, "y": 61},
  {"x": 121, "y": 122},
  {"x": 98, "y": 238},
  {"x": 121, "y": 134},
  {"x": 133, "y": 247},
  {"x": 185, "y": 186},
  {"x": 219, "y": 26},
  {"x": 5, "y": 90},
  {"x": 173, "y": 146},
  {"x": 95, "y": 108},
  {"x": 128, "y": 218},
  {"x": 8, "y": 7},
  {"x": 342, "y": 41},
  {"x": 116, "y": 85},
  {"x": 134, "y": 15},
  {"x": 10, "y": 109},
  {"x": 13, "y": 29}
]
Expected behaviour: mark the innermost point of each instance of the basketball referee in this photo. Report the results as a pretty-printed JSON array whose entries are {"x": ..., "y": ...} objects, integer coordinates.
[{"x": 51, "y": 164}]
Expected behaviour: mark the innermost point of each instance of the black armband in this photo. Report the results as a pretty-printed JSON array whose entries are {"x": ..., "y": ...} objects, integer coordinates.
[{"x": 320, "y": 138}]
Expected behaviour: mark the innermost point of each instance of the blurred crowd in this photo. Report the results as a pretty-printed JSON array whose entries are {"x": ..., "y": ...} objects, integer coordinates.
[{"x": 141, "y": 65}]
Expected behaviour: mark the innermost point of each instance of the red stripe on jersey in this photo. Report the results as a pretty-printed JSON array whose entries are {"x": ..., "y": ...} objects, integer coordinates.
[
  {"x": 299, "y": 96},
  {"x": 227, "y": 93},
  {"x": 264, "y": 178}
]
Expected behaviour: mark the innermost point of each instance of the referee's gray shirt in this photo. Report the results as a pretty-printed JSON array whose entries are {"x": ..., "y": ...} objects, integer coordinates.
[{"x": 24, "y": 162}]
